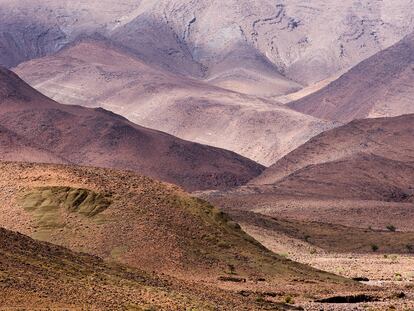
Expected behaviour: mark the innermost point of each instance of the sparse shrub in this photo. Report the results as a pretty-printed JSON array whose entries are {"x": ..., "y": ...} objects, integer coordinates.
[
  {"x": 398, "y": 295},
  {"x": 313, "y": 251},
  {"x": 260, "y": 299},
  {"x": 394, "y": 258},
  {"x": 398, "y": 276},
  {"x": 289, "y": 300},
  {"x": 234, "y": 225},
  {"x": 374, "y": 247},
  {"x": 224, "y": 245},
  {"x": 232, "y": 269},
  {"x": 307, "y": 237},
  {"x": 232, "y": 279},
  {"x": 391, "y": 228},
  {"x": 410, "y": 248}
]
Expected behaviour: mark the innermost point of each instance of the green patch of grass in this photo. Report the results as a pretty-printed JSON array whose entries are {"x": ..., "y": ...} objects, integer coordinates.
[
  {"x": 83, "y": 201},
  {"x": 48, "y": 206}
]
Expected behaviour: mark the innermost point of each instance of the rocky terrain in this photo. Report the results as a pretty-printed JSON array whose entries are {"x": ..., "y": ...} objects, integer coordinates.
[
  {"x": 128, "y": 218},
  {"x": 131, "y": 219},
  {"x": 369, "y": 240},
  {"x": 95, "y": 73},
  {"x": 380, "y": 86},
  {"x": 47, "y": 276},
  {"x": 41, "y": 130},
  {"x": 342, "y": 202}
]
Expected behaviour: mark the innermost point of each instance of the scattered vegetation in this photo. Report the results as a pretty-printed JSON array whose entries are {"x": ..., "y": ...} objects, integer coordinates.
[
  {"x": 289, "y": 300},
  {"x": 374, "y": 247},
  {"x": 232, "y": 279},
  {"x": 394, "y": 258},
  {"x": 398, "y": 276}
]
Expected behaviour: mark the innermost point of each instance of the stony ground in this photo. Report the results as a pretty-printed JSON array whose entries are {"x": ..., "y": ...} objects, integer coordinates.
[{"x": 336, "y": 236}]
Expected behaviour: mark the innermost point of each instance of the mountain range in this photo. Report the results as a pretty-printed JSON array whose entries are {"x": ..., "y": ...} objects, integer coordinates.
[
  {"x": 206, "y": 155},
  {"x": 95, "y": 73},
  {"x": 38, "y": 129}
]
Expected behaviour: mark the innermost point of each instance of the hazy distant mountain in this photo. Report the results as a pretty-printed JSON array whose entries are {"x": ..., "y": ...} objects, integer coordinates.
[
  {"x": 96, "y": 73},
  {"x": 381, "y": 86},
  {"x": 232, "y": 43}
]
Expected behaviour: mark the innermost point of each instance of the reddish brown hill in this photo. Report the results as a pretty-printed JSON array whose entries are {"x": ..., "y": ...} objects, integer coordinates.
[
  {"x": 40, "y": 275},
  {"x": 364, "y": 176},
  {"x": 156, "y": 227},
  {"x": 43, "y": 276},
  {"x": 100, "y": 138},
  {"x": 371, "y": 158},
  {"x": 381, "y": 86}
]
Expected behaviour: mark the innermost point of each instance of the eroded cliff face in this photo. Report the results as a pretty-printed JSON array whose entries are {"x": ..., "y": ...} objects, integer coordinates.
[
  {"x": 31, "y": 29},
  {"x": 305, "y": 43},
  {"x": 214, "y": 39}
]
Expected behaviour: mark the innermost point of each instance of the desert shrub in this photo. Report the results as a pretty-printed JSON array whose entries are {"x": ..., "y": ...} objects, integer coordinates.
[
  {"x": 374, "y": 247},
  {"x": 232, "y": 269},
  {"x": 391, "y": 228},
  {"x": 260, "y": 299},
  {"x": 398, "y": 276},
  {"x": 289, "y": 300}
]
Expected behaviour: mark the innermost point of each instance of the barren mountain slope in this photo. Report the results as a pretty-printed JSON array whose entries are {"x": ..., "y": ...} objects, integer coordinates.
[
  {"x": 146, "y": 224},
  {"x": 96, "y": 73},
  {"x": 41, "y": 275},
  {"x": 235, "y": 44},
  {"x": 381, "y": 86},
  {"x": 384, "y": 141},
  {"x": 101, "y": 138},
  {"x": 16, "y": 148},
  {"x": 362, "y": 176}
]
